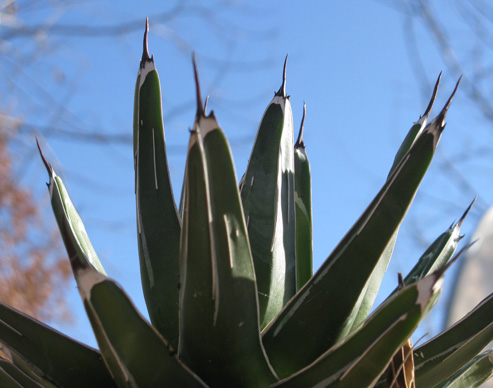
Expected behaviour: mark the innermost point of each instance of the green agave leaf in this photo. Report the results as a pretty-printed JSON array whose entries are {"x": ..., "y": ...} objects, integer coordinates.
[
  {"x": 16, "y": 372},
  {"x": 267, "y": 194},
  {"x": 132, "y": 349},
  {"x": 315, "y": 317},
  {"x": 158, "y": 222},
  {"x": 219, "y": 326},
  {"x": 46, "y": 349},
  {"x": 72, "y": 229},
  {"x": 473, "y": 374},
  {"x": 303, "y": 202},
  {"x": 446, "y": 353},
  {"x": 365, "y": 302},
  {"x": 359, "y": 359}
]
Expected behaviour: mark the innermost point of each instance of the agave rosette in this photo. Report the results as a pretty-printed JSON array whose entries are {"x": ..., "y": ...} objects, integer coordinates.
[{"x": 228, "y": 281}]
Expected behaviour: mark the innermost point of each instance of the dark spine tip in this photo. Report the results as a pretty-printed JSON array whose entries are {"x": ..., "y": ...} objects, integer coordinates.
[
  {"x": 200, "y": 106},
  {"x": 300, "y": 143},
  {"x": 439, "y": 121},
  {"x": 282, "y": 90},
  {"x": 145, "y": 50},
  {"x": 400, "y": 281},
  {"x": 461, "y": 220},
  {"x": 443, "y": 113},
  {"x": 449, "y": 101},
  {"x": 47, "y": 165},
  {"x": 433, "y": 97}
]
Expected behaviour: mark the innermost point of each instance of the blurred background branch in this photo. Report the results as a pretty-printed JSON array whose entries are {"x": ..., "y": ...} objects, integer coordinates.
[{"x": 43, "y": 67}]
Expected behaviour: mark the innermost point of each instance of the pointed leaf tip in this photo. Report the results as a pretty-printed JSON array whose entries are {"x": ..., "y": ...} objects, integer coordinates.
[
  {"x": 400, "y": 281},
  {"x": 433, "y": 97},
  {"x": 300, "y": 143},
  {"x": 200, "y": 106},
  {"x": 438, "y": 123},
  {"x": 449, "y": 101},
  {"x": 145, "y": 50},
  {"x": 445, "y": 108},
  {"x": 282, "y": 90},
  {"x": 47, "y": 165},
  {"x": 461, "y": 220}
]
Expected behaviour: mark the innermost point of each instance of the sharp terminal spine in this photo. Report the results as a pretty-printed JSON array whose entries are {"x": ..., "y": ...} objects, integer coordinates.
[
  {"x": 433, "y": 97},
  {"x": 45, "y": 162},
  {"x": 449, "y": 101},
  {"x": 200, "y": 105},
  {"x": 282, "y": 90},
  {"x": 461, "y": 220},
  {"x": 300, "y": 143},
  {"x": 145, "y": 50}
]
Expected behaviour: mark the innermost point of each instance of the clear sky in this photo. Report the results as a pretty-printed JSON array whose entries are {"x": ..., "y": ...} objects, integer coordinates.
[{"x": 349, "y": 60}]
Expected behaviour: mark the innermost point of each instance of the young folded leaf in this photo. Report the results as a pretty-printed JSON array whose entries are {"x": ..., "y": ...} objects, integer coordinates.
[
  {"x": 219, "y": 324},
  {"x": 444, "y": 354},
  {"x": 303, "y": 202},
  {"x": 267, "y": 194},
  {"x": 361, "y": 357},
  {"x": 315, "y": 317},
  {"x": 439, "y": 252},
  {"x": 132, "y": 349},
  {"x": 158, "y": 223}
]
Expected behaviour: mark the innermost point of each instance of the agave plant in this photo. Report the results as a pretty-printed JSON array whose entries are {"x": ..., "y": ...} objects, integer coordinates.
[{"x": 227, "y": 275}]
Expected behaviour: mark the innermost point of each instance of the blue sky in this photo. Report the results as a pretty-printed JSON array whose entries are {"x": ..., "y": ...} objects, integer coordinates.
[{"x": 348, "y": 60}]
